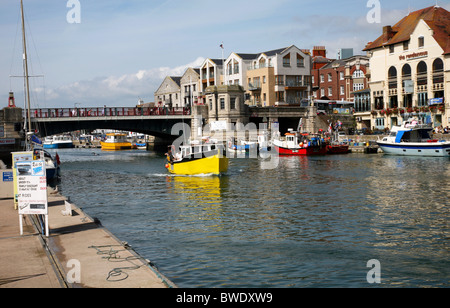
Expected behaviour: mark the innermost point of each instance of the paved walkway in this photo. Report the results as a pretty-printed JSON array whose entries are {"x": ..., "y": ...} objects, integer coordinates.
[{"x": 78, "y": 253}]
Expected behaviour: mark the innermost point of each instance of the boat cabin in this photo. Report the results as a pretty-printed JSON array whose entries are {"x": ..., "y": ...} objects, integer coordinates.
[
  {"x": 193, "y": 151},
  {"x": 116, "y": 138}
]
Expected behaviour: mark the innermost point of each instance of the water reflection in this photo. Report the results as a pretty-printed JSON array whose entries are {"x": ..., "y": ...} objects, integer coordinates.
[{"x": 312, "y": 221}]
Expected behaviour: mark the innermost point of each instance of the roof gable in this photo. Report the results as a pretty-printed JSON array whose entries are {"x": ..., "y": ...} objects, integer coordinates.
[{"x": 436, "y": 18}]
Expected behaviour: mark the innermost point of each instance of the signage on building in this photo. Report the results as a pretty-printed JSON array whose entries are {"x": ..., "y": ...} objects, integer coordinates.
[
  {"x": 7, "y": 141},
  {"x": 415, "y": 55},
  {"x": 408, "y": 85},
  {"x": 434, "y": 101}
]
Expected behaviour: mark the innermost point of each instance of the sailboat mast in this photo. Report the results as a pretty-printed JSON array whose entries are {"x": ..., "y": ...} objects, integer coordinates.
[{"x": 25, "y": 63}]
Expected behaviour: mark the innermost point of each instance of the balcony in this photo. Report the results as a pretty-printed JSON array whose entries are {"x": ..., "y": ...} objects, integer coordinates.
[
  {"x": 254, "y": 86},
  {"x": 294, "y": 85},
  {"x": 258, "y": 66}
]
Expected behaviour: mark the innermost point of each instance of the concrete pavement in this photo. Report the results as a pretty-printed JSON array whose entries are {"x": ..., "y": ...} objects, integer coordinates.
[{"x": 78, "y": 253}]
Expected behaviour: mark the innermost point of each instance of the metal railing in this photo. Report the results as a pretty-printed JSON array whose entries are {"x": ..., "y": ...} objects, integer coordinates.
[{"x": 108, "y": 112}]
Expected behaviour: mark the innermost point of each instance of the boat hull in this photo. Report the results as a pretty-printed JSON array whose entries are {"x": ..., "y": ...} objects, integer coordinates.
[
  {"x": 435, "y": 149},
  {"x": 312, "y": 150},
  {"x": 215, "y": 164},
  {"x": 58, "y": 146},
  {"x": 116, "y": 146}
]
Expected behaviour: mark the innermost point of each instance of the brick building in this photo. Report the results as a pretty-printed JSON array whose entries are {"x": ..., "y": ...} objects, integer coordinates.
[{"x": 337, "y": 80}]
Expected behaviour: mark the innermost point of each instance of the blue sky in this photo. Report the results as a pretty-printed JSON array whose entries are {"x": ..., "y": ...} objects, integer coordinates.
[{"x": 123, "y": 49}]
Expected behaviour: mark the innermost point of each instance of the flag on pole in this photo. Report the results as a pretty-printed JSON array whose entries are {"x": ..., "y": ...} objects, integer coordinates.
[{"x": 221, "y": 45}]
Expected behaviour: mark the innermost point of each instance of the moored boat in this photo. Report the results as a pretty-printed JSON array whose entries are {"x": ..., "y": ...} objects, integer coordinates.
[
  {"x": 412, "y": 138},
  {"x": 52, "y": 163},
  {"x": 242, "y": 146},
  {"x": 116, "y": 142},
  {"x": 299, "y": 144},
  {"x": 58, "y": 142},
  {"x": 197, "y": 159}
]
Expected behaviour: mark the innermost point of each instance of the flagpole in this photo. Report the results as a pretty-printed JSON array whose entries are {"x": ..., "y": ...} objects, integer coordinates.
[{"x": 223, "y": 66}]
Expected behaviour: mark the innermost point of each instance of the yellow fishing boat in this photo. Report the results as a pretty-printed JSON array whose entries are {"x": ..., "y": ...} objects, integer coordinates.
[
  {"x": 115, "y": 142},
  {"x": 197, "y": 159}
]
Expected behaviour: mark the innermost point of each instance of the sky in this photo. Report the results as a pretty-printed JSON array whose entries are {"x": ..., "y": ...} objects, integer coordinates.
[{"x": 121, "y": 50}]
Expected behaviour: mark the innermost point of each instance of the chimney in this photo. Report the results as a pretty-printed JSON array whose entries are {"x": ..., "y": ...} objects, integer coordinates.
[
  {"x": 388, "y": 33},
  {"x": 319, "y": 51}
]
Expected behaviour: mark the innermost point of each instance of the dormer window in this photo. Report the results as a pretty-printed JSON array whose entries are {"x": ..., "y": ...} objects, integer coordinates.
[
  {"x": 421, "y": 41},
  {"x": 391, "y": 49},
  {"x": 287, "y": 60}
]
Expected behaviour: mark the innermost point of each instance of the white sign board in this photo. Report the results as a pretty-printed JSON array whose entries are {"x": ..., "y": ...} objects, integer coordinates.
[
  {"x": 31, "y": 187},
  {"x": 218, "y": 125}
]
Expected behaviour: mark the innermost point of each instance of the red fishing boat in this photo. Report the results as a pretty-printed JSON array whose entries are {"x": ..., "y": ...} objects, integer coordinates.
[{"x": 294, "y": 143}]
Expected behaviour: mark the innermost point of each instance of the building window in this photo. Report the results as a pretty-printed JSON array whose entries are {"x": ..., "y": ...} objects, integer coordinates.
[
  {"x": 422, "y": 99},
  {"x": 210, "y": 104},
  {"x": 342, "y": 90},
  {"x": 287, "y": 60},
  {"x": 379, "y": 122},
  {"x": 330, "y": 91},
  {"x": 391, "y": 49},
  {"x": 341, "y": 74},
  {"x": 312, "y": 79},
  {"x": 279, "y": 80},
  {"x": 358, "y": 74},
  {"x": 322, "y": 79},
  {"x": 322, "y": 92},
  {"x": 330, "y": 78},
  {"x": 406, "y": 45},
  {"x": 300, "y": 61},
  {"x": 232, "y": 103},
  {"x": 264, "y": 79},
  {"x": 421, "y": 41},
  {"x": 222, "y": 103},
  {"x": 358, "y": 86}
]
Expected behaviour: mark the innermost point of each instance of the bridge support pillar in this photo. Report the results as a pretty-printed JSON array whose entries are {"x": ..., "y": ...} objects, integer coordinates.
[
  {"x": 198, "y": 121},
  {"x": 310, "y": 120}
]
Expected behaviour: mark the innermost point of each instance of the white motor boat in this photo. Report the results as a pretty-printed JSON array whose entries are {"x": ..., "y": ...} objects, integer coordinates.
[{"x": 413, "y": 138}]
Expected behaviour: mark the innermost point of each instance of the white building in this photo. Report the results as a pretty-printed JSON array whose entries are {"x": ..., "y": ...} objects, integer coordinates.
[{"x": 410, "y": 70}]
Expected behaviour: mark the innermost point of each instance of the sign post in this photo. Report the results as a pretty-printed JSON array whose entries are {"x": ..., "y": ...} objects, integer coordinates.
[{"x": 32, "y": 190}]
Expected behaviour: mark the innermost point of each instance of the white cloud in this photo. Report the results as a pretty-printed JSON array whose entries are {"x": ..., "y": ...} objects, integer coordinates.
[{"x": 113, "y": 90}]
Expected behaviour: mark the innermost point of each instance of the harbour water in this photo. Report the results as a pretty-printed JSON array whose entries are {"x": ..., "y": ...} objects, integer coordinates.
[{"x": 311, "y": 222}]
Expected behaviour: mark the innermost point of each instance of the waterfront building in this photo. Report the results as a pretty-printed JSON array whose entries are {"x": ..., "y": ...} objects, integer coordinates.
[
  {"x": 211, "y": 72},
  {"x": 339, "y": 79},
  {"x": 410, "y": 72},
  {"x": 169, "y": 92},
  {"x": 236, "y": 68},
  {"x": 279, "y": 77},
  {"x": 335, "y": 82},
  {"x": 225, "y": 106},
  {"x": 189, "y": 87}
]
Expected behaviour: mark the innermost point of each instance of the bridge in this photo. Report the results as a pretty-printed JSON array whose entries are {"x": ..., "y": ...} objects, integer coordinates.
[
  {"x": 158, "y": 121},
  {"x": 155, "y": 121}
]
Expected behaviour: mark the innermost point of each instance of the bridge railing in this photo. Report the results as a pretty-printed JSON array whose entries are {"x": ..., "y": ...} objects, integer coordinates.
[{"x": 107, "y": 112}]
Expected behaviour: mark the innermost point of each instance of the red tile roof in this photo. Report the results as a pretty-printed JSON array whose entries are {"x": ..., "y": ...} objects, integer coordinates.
[{"x": 436, "y": 18}]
